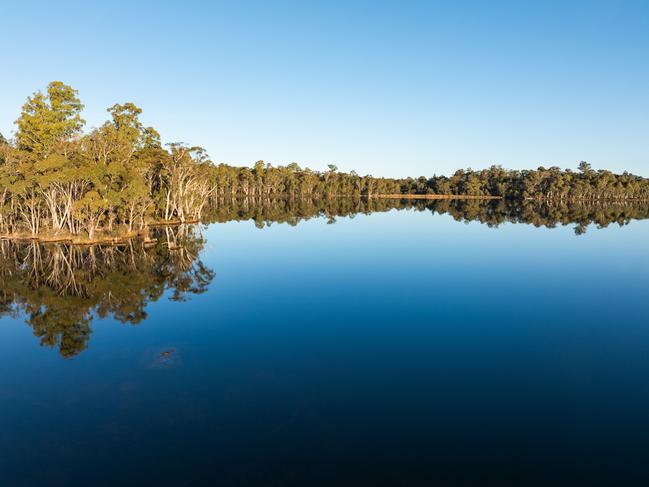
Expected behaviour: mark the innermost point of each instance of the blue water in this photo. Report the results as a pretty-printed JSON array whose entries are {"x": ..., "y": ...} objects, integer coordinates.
[{"x": 397, "y": 348}]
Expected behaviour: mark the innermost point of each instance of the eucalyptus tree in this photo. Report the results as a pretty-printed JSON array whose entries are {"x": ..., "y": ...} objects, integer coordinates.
[
  {"x": 185, "y": 183},
  {"x": 49, "y": 120}
]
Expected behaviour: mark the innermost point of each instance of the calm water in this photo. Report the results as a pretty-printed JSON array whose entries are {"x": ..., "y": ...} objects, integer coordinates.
[{"x": 396, "y": 348}]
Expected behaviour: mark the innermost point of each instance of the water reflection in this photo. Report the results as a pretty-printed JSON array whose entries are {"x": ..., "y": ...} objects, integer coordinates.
[
  {"x": 61, "y": 288},
  {"x": 493, "y": 213}
]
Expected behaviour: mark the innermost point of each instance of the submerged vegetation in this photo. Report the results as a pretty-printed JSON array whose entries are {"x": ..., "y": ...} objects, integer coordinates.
[{"x": 116, "y": 180}]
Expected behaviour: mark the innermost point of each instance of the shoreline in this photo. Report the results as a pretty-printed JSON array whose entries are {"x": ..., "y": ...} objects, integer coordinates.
[
  {"x": 81, "y": 241},
  {"x": 68, "y": 238}
]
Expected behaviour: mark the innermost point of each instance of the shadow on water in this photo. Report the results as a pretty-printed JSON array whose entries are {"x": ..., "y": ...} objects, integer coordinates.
[{"x": 61, "y": 288}]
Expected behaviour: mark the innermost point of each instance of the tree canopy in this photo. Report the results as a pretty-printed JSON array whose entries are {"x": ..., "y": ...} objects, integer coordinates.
[{"x": 117, "y": 179}]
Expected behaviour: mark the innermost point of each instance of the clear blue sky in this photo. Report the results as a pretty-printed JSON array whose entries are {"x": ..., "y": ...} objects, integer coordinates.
[{"x": 388, "y": 88}]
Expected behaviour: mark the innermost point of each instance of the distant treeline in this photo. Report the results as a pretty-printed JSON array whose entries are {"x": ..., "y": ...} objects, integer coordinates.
[
  {"x": 117, "y": 179},
  {"x": 552, "y": 183}
]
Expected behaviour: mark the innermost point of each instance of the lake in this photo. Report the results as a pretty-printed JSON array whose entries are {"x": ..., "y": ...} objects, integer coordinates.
[{"x": 401, "y": 344}]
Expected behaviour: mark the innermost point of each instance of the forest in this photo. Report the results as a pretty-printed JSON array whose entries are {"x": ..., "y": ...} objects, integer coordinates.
[{"x": 60, "y": 182}]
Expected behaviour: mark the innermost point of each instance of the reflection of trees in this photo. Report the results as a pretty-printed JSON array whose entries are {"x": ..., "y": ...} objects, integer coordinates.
[
  {"x": 265, "y": 211},
  {"x": 547, "y": 214},
  {"x": 489, "y": 212},
  {"x": 60, "y": 288}
]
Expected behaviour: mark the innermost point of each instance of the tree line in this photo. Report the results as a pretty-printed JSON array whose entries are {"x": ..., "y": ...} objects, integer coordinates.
[
  {"x": 585, "y": 184},
  {"x": 117, "y": 179}
]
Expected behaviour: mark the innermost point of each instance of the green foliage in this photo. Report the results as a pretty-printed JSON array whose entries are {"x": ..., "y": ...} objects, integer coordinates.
[
  {"x": 118, "y": 178},
  {"x": 539, "y": 184},
  {"x": 49, "y": 120}
]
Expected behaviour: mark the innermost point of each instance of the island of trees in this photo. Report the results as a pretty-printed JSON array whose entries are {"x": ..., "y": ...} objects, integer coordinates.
[{"x": 58, "y": 182}]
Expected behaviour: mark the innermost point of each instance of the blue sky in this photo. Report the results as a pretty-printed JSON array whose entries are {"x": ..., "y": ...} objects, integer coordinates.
[{"x": 388, "y": 88}]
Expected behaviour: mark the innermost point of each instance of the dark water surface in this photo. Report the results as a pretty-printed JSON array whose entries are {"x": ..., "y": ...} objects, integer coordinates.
[{"x": 397, "y": 348}]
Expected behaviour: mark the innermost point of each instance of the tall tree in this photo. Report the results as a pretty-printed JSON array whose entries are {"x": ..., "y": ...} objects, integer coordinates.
[{"x": 47, "y": 120}]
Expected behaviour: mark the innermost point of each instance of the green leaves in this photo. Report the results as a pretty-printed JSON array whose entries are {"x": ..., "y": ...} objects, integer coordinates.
[
  {"x": 49, "y": 121},
  {"x": 91, "y": 200},
  {"x": 118, "y": 175}
]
